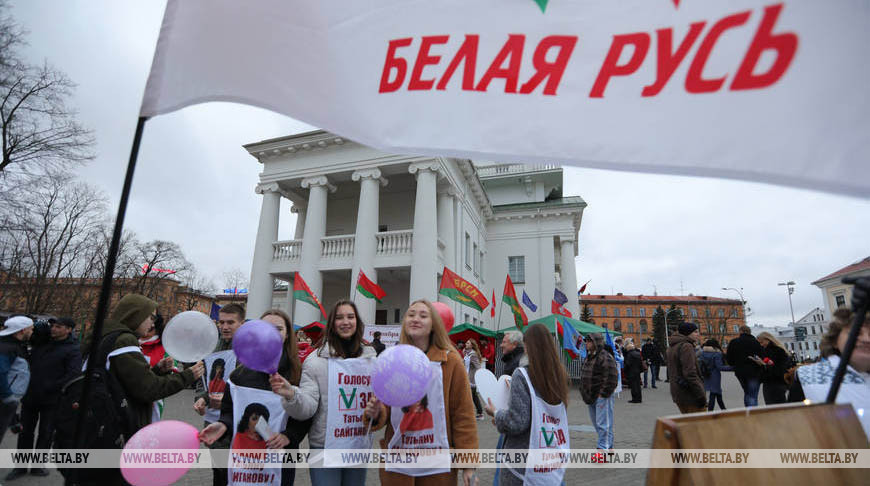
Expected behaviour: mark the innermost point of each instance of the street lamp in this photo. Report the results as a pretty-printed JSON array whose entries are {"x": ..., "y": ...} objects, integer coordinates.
[
  {"x": 742, "y": 300},
  {"x": 790, "y": 286}
]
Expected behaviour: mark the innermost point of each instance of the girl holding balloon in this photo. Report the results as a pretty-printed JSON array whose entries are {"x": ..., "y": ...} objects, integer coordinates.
[
  {"x": 335, "y": 389},
  {"x": 447, "y": 399},
  {"x": 261, "y": 347}
]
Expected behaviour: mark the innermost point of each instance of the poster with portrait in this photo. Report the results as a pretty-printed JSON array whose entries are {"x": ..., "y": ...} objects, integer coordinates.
[
  {"x": 257, "y": 417},
  {"x": 218, "y": 367}
]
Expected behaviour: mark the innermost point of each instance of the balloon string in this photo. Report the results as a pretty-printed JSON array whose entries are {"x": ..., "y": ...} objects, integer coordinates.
[{"x": 369, "y": 428}]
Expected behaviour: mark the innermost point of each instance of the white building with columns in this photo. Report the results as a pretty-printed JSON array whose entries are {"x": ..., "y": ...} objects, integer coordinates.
[{"x": 401, "y": 219}]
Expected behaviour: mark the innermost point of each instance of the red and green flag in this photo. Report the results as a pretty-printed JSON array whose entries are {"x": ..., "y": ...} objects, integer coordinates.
[
  {"x": 303, "y": 293},
  {"x": 369, "y": 288},
  {"x": 509, "y": 297},
  {"x": 460, "y": 290}
]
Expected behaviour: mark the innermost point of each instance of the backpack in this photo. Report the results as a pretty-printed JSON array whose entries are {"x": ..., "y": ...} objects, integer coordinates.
[
  {"x": 109, "y": 419},
  {"x": 18, "y": 378},
  {"x": 705, "y": 368}
]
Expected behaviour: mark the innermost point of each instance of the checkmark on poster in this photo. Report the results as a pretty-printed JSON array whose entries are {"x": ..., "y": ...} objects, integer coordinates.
[
  {"x": 548, "y": 438},
  {"x": 347, "y": 400}
]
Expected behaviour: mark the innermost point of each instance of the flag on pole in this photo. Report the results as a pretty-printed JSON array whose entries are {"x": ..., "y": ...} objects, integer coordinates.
[
  {"x": 528, "y": 302},
  {"x": 215, "y": 310},
  {"x": 569, "y": 338},
  {"x": 369, "y": 288},
  {"x": 460, "y": 290},
  {"x": 581, "y": 346},
  {"x": 608, "y": 340},
  {"x": 303, "y": 293},
  {"x": 509, "y": 297},
  {"x": 558, "y": 304},
  {"x": 583, "y": 288},
  {"x": 492, "y": 309}
]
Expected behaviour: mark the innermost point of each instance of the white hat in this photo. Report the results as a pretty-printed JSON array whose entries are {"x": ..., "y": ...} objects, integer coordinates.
[{"x": 15, "y": 324}]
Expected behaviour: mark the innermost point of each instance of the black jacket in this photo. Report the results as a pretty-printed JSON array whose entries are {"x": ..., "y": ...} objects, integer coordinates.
[
  {"x": 739, "y": 351},
  {"x": 52, "y": 364},
  {"x": 652, "y": 354},
  {"x": 633, "y": 363},
  {"x": 775, "y": 374},
  {"x": 379, "y": 346},
  {"x": 512, "y": 360}
]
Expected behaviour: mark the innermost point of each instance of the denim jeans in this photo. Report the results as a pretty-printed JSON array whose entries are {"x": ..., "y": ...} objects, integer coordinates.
[
  {"x": 348, "y": 476},
  {"x": 601, "y": 413},
  {"x": 750, "y": 386}
]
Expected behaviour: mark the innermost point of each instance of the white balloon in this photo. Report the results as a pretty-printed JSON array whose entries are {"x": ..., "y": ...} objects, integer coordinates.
[{"x": 190, "y": 336}]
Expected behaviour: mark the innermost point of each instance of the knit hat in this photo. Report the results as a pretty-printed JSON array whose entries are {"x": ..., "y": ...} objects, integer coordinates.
[
  {"x": 687, "y": 328},
  {"x": 132, "y": 310},
  {"x": 15, "y": 324}
]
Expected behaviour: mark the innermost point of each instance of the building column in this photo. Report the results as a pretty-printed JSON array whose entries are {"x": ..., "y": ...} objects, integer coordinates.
[
  {"x": 424, "y": 261},
  {"x": 299, "y": 211},
  {"x": 314, "y": 231},
  {"x": 260, "y": 292},
  {"x": 447, "y": 234},
  {"x": 365, "y": 241},
  {"x": 569, "y": 276}
]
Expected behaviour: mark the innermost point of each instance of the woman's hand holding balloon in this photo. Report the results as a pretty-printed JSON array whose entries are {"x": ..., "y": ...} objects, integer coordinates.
[
  {"x": 212, "y": 433},
  {"x": 281, "y": 386},
  {"x": 373, "y": 409},
  {"x": 198, "y": 370}
]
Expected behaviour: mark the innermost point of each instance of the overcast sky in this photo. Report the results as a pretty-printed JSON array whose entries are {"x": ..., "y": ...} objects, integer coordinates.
[{"x": 640, "y": 233}]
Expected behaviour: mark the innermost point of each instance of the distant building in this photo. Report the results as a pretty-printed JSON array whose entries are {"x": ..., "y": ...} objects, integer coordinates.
[
  {"x": 632, "y": 314},
  {"x": 803, "y": 338},
  {"x": 836, "y": 294}
]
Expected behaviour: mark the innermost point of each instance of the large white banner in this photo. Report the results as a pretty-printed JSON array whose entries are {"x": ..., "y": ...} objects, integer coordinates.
[{"x": 761, "y": 90}]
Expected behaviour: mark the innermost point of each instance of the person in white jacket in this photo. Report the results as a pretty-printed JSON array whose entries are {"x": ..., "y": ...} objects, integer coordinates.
[{"x": 335, "y": 389}]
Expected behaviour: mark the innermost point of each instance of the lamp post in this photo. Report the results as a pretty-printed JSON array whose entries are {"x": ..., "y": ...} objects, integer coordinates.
[
  {"x": 742, "y": 301},
  {"x": 790, "y": 286}
]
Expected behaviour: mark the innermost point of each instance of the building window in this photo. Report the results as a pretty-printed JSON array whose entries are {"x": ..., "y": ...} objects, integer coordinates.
[
  {"x": 616, "y": 312},
  {"x": 707, "y": 312},
  {"x": 604, "y": 312},
  {"x": 643, "y": 327},
  {"x": 709, "y": 328},
  {"x": 398, "y": 316},
  {"x": 382, "y": 228},
  {"x": 381, "y": 316},
  {"x": 841, "y": 300},
  {"x": 642, "y": 312},
  {"x": 815, "y": 345},
  {"x": 591, "y": 310},
  {"x": 791, "y": 345},
  {"x": 736, "y": 328},
  {"x": 480, "y": 263},
  {"x": 722, "y": 328},
  {"x": 694, "y": 312},
  {"x": 467, "y": 250},
  {"x": 467, "y": 318},
  {"x": 517, "y": 269},
  {"x": 628, "y": 312},
  {"x": 617, "y": 325},
  {"x": 630, "y": 328},
  {"x": 476, "y": 261},
  {"x": 813, "y": 329},
  {"x": 734, "y": 312},
  {"x": 721, "y": 312},
  {"x": 474, "y": 320}
]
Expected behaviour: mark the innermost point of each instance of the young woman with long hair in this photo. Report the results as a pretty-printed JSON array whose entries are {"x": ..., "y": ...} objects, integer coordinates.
[
  {"x": 472, "y": 361},
  {"x": 448, "y": 399},
  {"x": 339, "y": 365},
  {"x": 775, "y": 362},
  {"x": 246, "y": 386},
  {"x": 712, "y": 359},
  {"x": 538, "y": 390}
]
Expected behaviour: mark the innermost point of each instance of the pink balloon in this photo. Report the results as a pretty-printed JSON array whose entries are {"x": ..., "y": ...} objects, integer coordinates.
[
  {"x": 159, "y": 436},
  {"x": 446, "y": 314}
]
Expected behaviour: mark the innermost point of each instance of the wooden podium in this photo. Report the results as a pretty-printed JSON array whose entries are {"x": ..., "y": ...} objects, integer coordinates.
[{"x": 788, "y": 426}]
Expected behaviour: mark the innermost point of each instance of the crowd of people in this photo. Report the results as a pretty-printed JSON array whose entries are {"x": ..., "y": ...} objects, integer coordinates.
[{"x": 243, "y": 408}]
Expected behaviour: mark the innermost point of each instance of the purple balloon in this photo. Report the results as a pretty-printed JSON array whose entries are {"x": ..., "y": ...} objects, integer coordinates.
[
  {"x": 401, "y": 375},
  {"x": 257, "y": 345}
]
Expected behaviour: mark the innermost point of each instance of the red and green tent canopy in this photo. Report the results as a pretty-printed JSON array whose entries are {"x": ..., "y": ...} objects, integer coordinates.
[
  {"x": 466, "y": 331},
  {"x": 584, "y": 328}
]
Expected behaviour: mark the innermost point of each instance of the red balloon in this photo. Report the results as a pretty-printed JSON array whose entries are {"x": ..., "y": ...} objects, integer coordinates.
[{"x": 446, "y": 314}]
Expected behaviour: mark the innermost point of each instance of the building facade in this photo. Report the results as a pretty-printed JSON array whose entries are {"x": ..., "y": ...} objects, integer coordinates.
[
  {"x": 836, "y": 294},
  {"x": 632, "y": 314},
  {"x": 401, "y": 219}
]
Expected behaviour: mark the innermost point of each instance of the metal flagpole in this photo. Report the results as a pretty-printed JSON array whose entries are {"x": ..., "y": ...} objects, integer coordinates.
[{"x": 106, "y": 288}]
